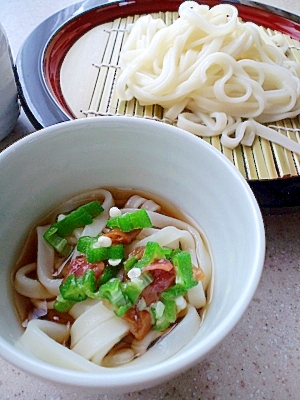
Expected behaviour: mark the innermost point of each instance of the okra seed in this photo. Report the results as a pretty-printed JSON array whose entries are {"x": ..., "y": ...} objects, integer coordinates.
[
  {"x": 61, "y": 217},
  {"x": 114, "y": 262},
  {"x": 134, "y": 273},
  {"x": 114, "y": 212},
  {"x": 104, "y": 241}
]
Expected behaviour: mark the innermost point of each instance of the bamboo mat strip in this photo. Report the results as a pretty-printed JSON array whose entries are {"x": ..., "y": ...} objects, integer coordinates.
[
  {"x": 239, "y": 161},
  {"x": 98, "y": 95},
  {"x": 268, "y": 159},
  {"x": 249, "y": 162},
  {"x": 289, "y": 154},
  {"x": 228, "y": 153},
  {"x": 259, "y": 160},
  {"x": 117, "y": 38}
]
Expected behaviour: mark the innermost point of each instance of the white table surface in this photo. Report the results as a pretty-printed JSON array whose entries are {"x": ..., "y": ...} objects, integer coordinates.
[{"x": 260, "y": 358}]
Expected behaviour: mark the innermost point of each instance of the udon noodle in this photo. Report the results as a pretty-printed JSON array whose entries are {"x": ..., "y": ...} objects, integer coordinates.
[
  {"x": 212, "y": 73},
  {"x": 72, "y": 316}
]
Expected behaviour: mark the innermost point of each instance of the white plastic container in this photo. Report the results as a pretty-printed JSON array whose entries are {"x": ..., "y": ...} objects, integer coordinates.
[{"x": 9, "y": 106}]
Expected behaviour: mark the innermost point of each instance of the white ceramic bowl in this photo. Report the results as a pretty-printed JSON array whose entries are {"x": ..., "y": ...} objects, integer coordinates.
[{"x": 48, "y": 166}]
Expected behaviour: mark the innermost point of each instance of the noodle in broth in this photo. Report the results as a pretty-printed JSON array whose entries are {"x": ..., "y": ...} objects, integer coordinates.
[{"x": 94, "y": 332}]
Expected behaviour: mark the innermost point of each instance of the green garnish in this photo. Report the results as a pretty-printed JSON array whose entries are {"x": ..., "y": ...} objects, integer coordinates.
[
  {"x": 78, "y": 218},
  {"x": 94, "y": 253},
  {"x": 127, "y": 222}
]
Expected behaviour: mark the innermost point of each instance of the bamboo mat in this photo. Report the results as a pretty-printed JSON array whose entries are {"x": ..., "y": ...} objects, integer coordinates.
[{"x": 96, "y": 57}]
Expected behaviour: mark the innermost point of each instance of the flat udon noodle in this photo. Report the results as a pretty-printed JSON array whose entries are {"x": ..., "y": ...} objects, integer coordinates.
[
  {"x": 96, "y": 331},
  {"x": 209, "y": 70},
  {"x": 96, "y": 328},
  {"x": 45, "y": 263},
  {"x": 30, "y": 287},
  {"x": 137, "y": 201},
  {"x": 43, "y": 338}
]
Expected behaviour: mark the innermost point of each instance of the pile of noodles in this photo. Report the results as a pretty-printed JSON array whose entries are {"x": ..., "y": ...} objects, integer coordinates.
[
  {"x": 213, "y": 73},
  {"x": 96, "y": 328}
]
